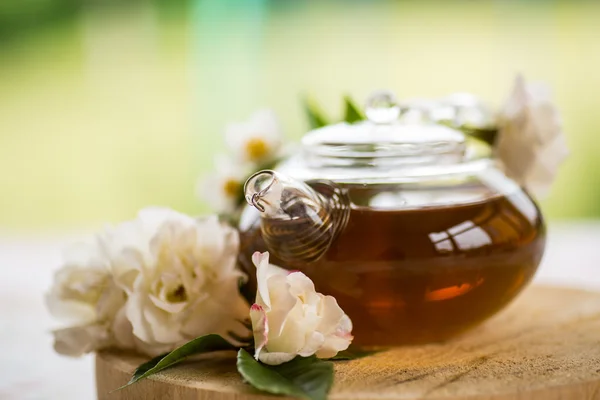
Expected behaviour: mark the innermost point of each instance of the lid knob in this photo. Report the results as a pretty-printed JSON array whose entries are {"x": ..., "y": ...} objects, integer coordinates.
[{"x": 382, "y": 107}]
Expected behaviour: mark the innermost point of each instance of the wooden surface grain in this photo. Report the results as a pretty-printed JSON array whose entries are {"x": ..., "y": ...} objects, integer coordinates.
[{"x": 546, "y": 345}]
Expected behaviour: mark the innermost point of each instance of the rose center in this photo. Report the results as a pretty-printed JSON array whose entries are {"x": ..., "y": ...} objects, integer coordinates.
[
  {"x": 178, "y": 295},
  {"x": 257, "y": 149}
]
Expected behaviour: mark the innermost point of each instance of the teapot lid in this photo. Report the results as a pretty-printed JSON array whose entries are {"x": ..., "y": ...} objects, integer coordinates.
[{"x": 393, "y": 136}]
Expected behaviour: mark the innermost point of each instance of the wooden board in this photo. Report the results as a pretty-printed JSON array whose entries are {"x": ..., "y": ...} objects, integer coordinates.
[{"x": 544, "y": 346}]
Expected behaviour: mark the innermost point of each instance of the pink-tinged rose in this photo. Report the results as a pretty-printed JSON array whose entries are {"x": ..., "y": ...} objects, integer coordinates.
[{"x": 290, "y": 318}]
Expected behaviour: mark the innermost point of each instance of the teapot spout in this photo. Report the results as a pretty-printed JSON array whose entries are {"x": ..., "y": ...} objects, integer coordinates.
[{"x": 299, "y": 221}]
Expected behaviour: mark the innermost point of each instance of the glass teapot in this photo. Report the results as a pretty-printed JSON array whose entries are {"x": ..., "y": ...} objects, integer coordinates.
[{"x": 416, "y": 236}]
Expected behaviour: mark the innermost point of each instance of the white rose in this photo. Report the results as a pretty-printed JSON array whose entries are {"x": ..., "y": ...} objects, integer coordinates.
[
  {"x": 531, "y": 143},
  {"x": 181, "y": 278},
  {"x": 257, "y": 140},
  {"x": 290, "y": 318},
  {"x": 85, "y": 296}
]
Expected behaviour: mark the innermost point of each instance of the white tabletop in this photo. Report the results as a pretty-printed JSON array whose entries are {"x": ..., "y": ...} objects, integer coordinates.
[{"x": 29, "y": 368}]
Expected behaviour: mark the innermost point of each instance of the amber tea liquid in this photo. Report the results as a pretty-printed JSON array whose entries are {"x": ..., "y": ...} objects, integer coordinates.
[{"x": 423, "y": 275}]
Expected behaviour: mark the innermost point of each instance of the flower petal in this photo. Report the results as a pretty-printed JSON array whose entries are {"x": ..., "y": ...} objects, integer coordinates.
[
  {"x": 123, "y": 331},
  {"x": 292, "y": 335},
  {"x": 70, "y": 311},
  {"x": 165, "y": 328},
  {"x": 300, "y": 284},
  {"x": 284, "y": 302},
  {"x": 331, "y": 314},
  {"x": 170, "y": 307},
  {"x": 261, "y": 262},
  {"x": 260, "y": 328},
  {"x": 314, "y": 342},
  {"x": 79, "y": 340},
  {"x": 275, "y": 358},
  {"x": 338, "y": 341},
  {"x": 135, "y": 314}
]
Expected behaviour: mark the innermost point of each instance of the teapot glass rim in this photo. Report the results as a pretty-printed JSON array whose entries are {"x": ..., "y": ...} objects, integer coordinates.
[{"x": 296, "y": 167}]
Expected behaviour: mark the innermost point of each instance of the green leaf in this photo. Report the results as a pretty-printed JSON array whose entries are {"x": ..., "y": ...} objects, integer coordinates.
[
  {"x": 352, "y": 113},
  {"x": 145, "y": 367},
  {"x": 351, "y": 354},
  {"x": 304, "y": 377},
  {"x": 487, "y": 135},
  {"x": 316, "y": 118},
  {"x": 202, "y": 344}
]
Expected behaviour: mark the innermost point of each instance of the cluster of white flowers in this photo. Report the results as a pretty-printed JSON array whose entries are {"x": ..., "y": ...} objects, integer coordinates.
[
  {"x": 252, "y": 145},
  {"x": 150, "y": 285},
  {"x": 156, "y": 282}
]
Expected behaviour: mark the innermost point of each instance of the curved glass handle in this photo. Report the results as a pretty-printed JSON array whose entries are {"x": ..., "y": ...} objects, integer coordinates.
[
  {"x": 298, "y": 221},
  {"x": 263, "y": 190}
]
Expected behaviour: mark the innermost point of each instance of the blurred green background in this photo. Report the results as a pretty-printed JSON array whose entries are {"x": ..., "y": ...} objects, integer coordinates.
[{"x": 109, "y": 106}]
